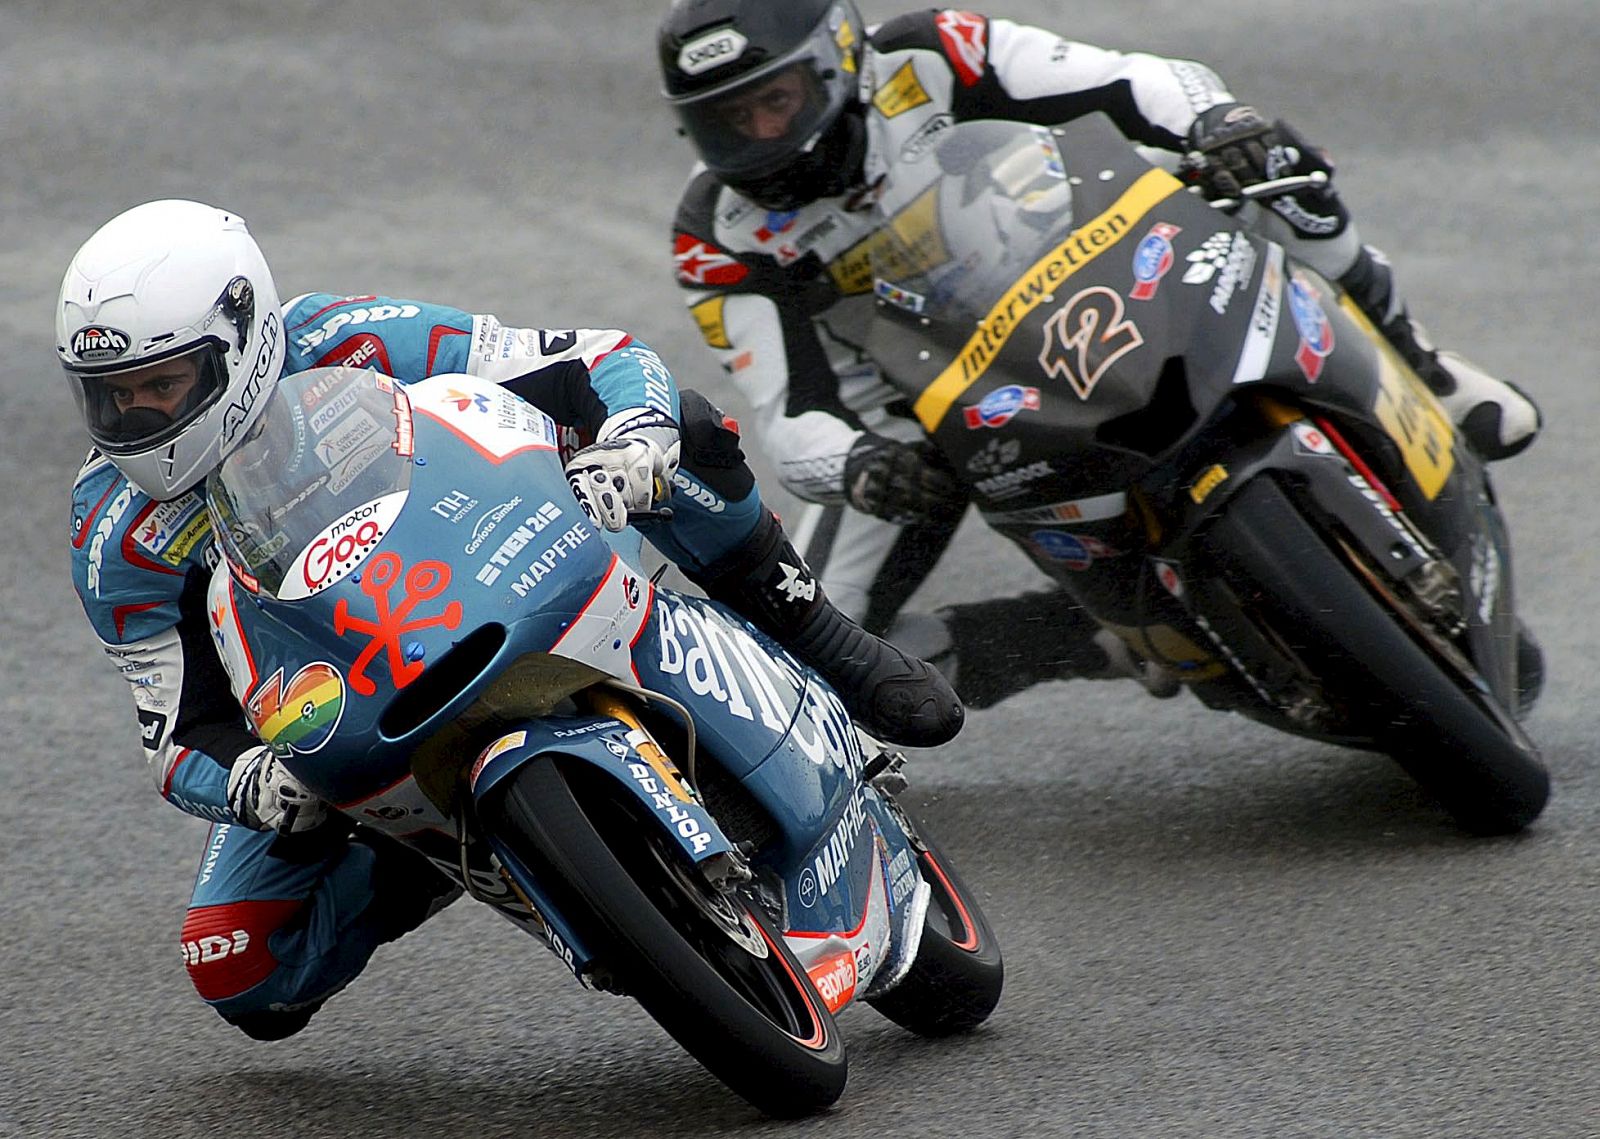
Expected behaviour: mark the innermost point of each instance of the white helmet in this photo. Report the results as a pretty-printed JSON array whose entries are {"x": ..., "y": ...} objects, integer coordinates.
[{"x": 184, "y": 285}]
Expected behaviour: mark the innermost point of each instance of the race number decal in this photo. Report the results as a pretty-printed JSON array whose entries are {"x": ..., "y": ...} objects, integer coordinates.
[
  {"x": 1086, "y": 337},
  {"x": 1410, "y": 414}
]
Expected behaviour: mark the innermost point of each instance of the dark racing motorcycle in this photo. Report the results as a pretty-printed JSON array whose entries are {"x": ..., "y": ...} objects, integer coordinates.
[
  {"x": 1211, "y": 449},
  {"x": 417, "y": 617}
]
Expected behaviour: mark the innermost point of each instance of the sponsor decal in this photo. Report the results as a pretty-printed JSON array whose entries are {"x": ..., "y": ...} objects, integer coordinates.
[
  {"x": 1094, "y": 509},
  {"x": 1311, "y": 321},
  {"x": 487, "y": 521},
  {"x": 454, "y": 506},
  {"x": 1009, "y": 484},
  {"x": 1088, "y": 335},
  {"x": 1000, "y": 406},
  {"x": 777, "y": 222},
  {"x": 965, "y": 38},
  {"x": 915, "y": 147},
  {"x": 1037, "y": 286},
  {"x": 1263, "y": 331},
  {"x": 725, "y": 663},
  {"x": 1310, "y": 440},
  {"x": 704, "y": 496},
  {"x": 897, "y": 296},
  {"x": 343, "y": 545},
  {"x": 517, "y": 541},
  {"x": 1152, "y": 259},
  {"x": 808, "y": 887},
  {"x": 404, "y": 441},
  {"x": 679, "y": 818},
  {"x": 357, "y": 351},
  {"x": 102, "y": 531},
  {"x": 833, "y": 859},
  {"x": 1483, "y": 575},
  {"x": 996, "y": 456},
  {"x": 903, "y": 877},
  {"x": 172, "y": 529},
  {"x": 711, "y": 50},
  {"x": 238, "y": 411},
  {"x": 701, "y": 263},
  {"x": 1210, "y": 478},
  {"x": 374, "y": 314},
  {"x": 325, "y": 415},
  {"x": 301, "y": 715},
  {"x": 1230, "y": 258},
  {"x": 901, "y": 93},
  {"x": 500, "y": 746},
  {"x": 545, "y": 563},
  {"x": 835, "y": 979},
  {"x": 1059, "y": 546},
  {"x": 424, "y": 581},
  {"x": 99, "y": 342},
  {"x": 152, "y": 724}
]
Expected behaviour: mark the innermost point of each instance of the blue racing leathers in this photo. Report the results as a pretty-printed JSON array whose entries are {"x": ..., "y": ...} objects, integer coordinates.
[{"x": 273, "y": 930}]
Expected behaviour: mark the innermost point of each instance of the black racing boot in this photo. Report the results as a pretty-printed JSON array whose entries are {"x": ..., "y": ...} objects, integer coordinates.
[
  {"x": 895, "y": 697},
  {"x": 1497, "y": 418},
  {"x": 1009, "y": 644}
]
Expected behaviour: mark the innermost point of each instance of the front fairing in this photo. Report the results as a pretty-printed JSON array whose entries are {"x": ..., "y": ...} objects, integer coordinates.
[
  {"x": 473, "y": 542},
  {"x": 1064, "y": 318}
]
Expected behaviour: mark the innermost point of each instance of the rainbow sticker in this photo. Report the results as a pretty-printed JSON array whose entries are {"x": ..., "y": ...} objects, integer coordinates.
[{"x": 303, "y": 715}]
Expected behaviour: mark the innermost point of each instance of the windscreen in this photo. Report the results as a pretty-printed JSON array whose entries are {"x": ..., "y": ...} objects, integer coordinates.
[
  {"x": 966, "y": 219},
  {"x": 318, "y": 481}
]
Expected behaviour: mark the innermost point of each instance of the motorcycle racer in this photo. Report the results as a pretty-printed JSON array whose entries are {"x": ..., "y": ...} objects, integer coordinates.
[
  {"x": 796, "y": 110},
  {"x": 171, "y": 334}
]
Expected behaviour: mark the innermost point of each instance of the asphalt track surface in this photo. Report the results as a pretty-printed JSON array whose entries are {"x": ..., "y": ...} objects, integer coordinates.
[{"x": 1211, "y": 930}]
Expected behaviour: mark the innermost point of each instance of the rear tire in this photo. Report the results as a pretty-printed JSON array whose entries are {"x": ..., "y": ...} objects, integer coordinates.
[
  {"x": 955, "y": 981},
  {"x": 756, "y": 1022},
  {"x": 1479, "y": 766}
]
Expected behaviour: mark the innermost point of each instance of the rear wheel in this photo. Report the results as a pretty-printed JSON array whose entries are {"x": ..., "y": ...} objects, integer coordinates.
[
  {"x": 1450, "y": 737},
  {"x": 955, "y": 981},
  {"x": 707, "y": 966}
]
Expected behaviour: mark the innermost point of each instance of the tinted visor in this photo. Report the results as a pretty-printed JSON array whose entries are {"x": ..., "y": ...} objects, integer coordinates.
[
  {"x": 761, "y": 123},
  {"x": 134, "y": 409}
]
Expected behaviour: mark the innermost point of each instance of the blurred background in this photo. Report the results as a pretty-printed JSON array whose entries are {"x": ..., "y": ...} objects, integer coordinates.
[{"x": 1211, "y": 929}]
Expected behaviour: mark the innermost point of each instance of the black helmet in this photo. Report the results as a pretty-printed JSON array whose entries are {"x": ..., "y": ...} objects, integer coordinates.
[{"x": 767, "y": 90}]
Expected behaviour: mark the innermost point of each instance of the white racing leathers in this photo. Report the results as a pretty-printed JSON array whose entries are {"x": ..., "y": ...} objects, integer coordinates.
[{"x": 782, "y": 299}]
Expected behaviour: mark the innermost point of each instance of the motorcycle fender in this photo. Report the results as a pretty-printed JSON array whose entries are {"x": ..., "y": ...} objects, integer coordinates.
[
  {"x": 608, "y": 745},
  {"x": 1302, "y": 452}
]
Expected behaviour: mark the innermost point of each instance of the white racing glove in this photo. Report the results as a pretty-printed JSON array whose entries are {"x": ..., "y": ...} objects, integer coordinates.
[
  {"x": 263, "y": 795},
  {"x": 628, "y": 467}
]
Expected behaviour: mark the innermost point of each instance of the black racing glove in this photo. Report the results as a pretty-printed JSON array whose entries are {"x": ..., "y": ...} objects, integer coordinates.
[
  {"x": 1231, "y": 146},
  {"x": 900, "y": 482}
]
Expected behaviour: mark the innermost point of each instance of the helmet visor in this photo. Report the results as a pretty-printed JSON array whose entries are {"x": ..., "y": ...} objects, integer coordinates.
[
  {"x": 757, "y": 125},
  {"x": 132, "y": 409}
]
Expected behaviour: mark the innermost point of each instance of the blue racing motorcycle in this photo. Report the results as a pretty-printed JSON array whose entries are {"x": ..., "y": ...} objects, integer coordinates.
[{"x": 417, "y": 617}]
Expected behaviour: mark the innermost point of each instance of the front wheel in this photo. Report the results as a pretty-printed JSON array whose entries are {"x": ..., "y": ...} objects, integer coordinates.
[
  {"x": 955, "y": 981},
  {"x": 1429, "y": 718},
  {"x": 708, "y": 967}
]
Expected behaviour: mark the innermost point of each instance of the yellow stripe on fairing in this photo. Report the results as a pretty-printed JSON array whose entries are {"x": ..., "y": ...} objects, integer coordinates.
[{"x": 1082, "y": 246}]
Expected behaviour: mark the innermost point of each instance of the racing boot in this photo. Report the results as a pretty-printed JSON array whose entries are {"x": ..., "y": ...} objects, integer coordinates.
[
  {"x": 895, "y": 697},
  {"x": 1003, "y": 646},
  {"x": 1497, "y": 418}
]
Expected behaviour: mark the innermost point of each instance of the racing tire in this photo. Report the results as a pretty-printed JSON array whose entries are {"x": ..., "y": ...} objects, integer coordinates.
[
  {"x": 1476, "y": 763},
  {"x": 755, "y": 1022},
  {"x": 955, "y": 981}
]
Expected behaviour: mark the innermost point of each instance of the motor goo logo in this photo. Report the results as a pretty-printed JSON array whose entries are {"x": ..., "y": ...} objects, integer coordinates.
[
  {"x": 344, "y": 545},
  {"x": 722, "y": 46},
  {"x": 97, "y": 342}
]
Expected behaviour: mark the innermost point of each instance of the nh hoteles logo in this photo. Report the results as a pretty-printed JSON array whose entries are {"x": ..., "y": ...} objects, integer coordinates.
[{"x": 99, "y": 342}]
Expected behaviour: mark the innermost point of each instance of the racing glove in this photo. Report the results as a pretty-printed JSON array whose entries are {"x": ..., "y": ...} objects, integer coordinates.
[
  {"x": 263, "y": 795},
  {"x": 629, "y": 467},
  {"x": 1231, "y": 147},
  {"x": 900, "y": 482}
]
